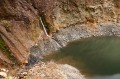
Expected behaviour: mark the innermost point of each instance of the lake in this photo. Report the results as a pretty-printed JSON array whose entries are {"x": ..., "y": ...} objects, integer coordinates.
[{"x": 95, "y": 57}]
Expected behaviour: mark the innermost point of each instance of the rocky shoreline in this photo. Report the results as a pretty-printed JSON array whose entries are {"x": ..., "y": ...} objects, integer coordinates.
[
  {"x": 44, "y": 70},
  {"x": 59, "y": 40},
  {"x": 51, "y": 70},
  {"x": 69, "y": 34},
  {"x": 66, "y": 20}
]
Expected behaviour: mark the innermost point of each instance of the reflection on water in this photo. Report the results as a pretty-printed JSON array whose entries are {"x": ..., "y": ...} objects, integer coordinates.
[{"x": 92, "y": 56}]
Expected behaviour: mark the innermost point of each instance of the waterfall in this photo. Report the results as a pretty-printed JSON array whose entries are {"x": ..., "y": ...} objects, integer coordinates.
[{"x": 45, "y": 31}]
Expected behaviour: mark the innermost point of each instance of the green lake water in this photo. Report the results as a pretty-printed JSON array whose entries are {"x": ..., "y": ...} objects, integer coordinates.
[{"x": 96, "y": 57}]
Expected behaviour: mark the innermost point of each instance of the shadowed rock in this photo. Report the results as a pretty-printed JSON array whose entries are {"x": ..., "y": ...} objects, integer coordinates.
[{"x": 4, "y": 58}]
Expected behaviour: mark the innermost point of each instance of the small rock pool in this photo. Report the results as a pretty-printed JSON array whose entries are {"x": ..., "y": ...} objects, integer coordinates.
[{"x": 96, "y": 57}]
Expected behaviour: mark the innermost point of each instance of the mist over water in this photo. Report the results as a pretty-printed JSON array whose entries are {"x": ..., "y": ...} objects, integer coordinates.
[{"x": 97, "y": 57}]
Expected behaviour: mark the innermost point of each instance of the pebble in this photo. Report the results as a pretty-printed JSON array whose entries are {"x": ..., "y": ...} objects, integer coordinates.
[{"x": 3, "y": 74}]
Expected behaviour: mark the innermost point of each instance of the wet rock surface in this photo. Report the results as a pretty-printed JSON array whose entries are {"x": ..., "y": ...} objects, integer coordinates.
[
  {"x": 66, "y": 35},
  {"x": 81, "y": 31},
  {"x": 43, "y": 47}
]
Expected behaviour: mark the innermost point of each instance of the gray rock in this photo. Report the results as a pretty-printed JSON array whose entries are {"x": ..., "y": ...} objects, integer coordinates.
[
  {"x": 72, "y": 33},
  {"x": 71, "y": 72}
]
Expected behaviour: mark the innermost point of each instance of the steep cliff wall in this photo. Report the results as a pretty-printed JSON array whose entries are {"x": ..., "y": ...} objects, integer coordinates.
[
  {"x": 71, "y": 12},
  {"x": 20, "y": 25}
]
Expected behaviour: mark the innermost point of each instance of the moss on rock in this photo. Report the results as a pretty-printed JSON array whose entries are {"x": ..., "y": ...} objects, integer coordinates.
[{"x": 5, "y": 49}]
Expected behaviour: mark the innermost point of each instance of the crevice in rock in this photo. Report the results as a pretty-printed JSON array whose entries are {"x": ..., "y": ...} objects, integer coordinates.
[{"x": 45, "y": 25}]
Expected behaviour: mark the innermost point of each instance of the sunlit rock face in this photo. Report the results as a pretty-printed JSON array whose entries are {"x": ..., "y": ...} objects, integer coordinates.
[
  {"x": 63, "y": 13},
  {"x": 86, "y": 11}
]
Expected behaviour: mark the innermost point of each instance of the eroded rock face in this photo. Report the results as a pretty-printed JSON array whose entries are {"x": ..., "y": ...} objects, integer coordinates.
[
  {"x": 20, "y": 25},
  {"x": 71, "y": 12}
]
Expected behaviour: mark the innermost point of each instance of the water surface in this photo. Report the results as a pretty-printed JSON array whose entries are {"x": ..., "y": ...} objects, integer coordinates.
[{"x": 97, "y": 58}]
